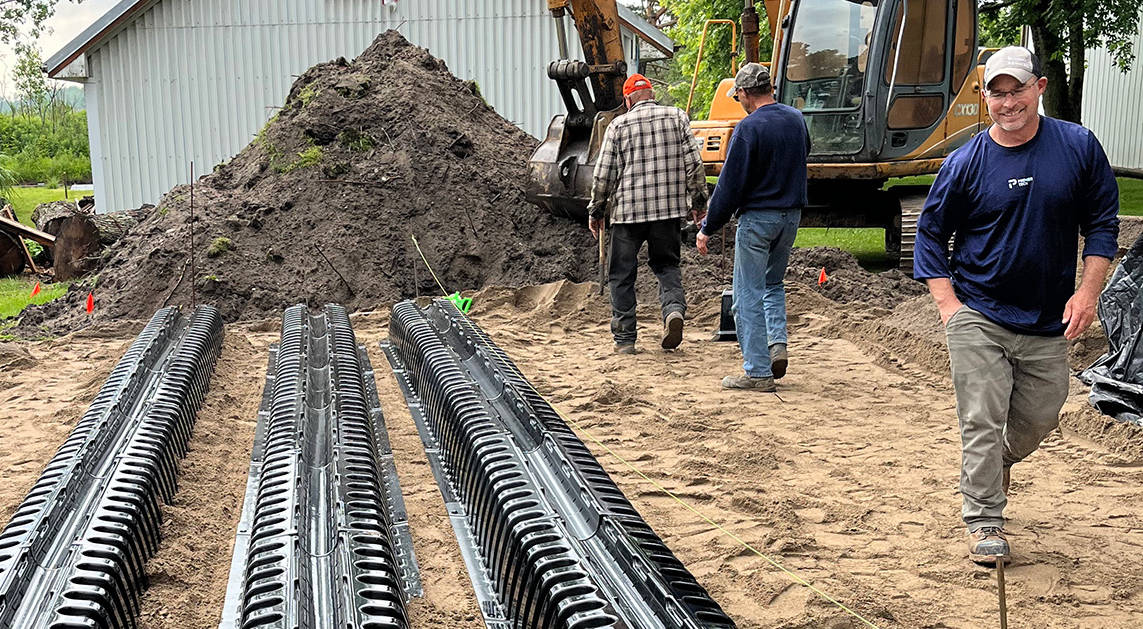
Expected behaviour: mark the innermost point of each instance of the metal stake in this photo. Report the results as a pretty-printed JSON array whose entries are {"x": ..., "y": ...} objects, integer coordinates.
[
  {"x": 1000, "y": 592},
  {"x": 194, "y": 273}
]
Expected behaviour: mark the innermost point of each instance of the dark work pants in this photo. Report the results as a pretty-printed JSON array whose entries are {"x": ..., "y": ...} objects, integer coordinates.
[{"x": 664, "y": 241}]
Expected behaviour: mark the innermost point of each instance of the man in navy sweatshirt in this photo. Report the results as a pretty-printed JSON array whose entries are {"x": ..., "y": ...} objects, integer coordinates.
[
  {"x": 763, "y": 181},
  {"x": 1014, "y": 200}
]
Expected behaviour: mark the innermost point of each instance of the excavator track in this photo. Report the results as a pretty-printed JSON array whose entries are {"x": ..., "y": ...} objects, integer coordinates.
[{"x": 912, "y": 202}]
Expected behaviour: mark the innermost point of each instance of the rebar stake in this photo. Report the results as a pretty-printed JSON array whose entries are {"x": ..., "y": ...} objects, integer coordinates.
[
  {"x": 194, "y": 273},
  {"x": 1000, "y": 592}
]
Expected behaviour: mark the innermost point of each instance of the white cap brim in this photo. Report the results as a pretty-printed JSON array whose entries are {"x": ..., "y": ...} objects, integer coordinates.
[{"x": 1020, "y": 74}]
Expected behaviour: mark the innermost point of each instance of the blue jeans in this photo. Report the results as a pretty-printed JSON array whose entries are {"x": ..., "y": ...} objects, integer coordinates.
[{"x": 761, "y": 251}]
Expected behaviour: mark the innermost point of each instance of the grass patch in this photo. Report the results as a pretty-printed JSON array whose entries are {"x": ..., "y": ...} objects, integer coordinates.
[
  {"x": 1130, "y": 196},
  {"x": 219, "y": 246},
  {"x": 309, "y": 157},
  {"x": 866, "y": 244},
  {"x": 24, "y": 200},
  {"x": 307, "y": 94},
  {"x": 16, "y": 294},
  {"x": 360, "y": 142}
]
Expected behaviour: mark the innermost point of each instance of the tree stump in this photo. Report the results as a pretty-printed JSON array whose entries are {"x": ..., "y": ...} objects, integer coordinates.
[
  {"x": 48, "y": 217},
  {"x": 11, "y": 255},
  {"x": 82, "y": 238}
]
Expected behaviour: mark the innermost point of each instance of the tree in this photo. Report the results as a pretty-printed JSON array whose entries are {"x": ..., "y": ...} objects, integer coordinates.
[
  {"x": 1062, "y": 32},
  {"x": 32, "y": 92},
  {"x": 655, "y": 13},
  {"x": 25, "y": 14},
  {"x": 691, "y": 17}
]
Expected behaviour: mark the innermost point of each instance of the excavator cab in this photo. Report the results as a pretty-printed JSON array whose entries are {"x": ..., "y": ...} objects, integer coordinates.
[
  {"x": 888, "y": 88},
  {"x": 875, "y": 79}
]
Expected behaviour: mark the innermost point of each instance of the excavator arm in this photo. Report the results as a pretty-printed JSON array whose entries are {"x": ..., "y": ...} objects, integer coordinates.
[{"x": 559, "y": 172}]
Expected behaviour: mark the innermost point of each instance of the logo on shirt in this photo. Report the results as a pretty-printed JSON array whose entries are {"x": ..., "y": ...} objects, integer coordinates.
[{"x": 1022, "y": 182}]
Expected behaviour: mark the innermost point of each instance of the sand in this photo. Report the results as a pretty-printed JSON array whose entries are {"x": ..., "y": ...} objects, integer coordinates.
[{"x": 847, "y": 478}]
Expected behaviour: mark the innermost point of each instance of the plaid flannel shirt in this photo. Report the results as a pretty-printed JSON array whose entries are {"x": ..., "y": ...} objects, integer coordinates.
[{"x": 649, "y": 167}]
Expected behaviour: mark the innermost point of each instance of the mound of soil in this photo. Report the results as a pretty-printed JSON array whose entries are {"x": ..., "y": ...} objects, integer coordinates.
[{"x": 322, "y": 205}]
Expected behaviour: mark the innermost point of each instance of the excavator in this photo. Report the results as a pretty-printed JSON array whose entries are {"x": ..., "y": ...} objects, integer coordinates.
[{"x": 888, "y": 89}]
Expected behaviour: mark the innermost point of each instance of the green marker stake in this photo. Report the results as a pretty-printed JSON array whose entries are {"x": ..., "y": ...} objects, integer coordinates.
[{"x": 462, "y": 304}]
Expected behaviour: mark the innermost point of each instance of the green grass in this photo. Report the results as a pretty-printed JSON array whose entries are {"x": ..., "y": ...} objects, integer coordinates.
[
  {"x": 15, "y": 294},
  {"x": 866, "y": 244},
  {"x": 24, "y": 200},
  {"x": 1130, "y": 196}
]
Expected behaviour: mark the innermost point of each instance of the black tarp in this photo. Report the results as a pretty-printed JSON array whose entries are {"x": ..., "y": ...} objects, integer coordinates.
[{"x": 1116, "y": 379}]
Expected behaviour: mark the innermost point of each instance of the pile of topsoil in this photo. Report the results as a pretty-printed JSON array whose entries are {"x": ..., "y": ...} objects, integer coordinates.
[{"x": 321, "y": 206}]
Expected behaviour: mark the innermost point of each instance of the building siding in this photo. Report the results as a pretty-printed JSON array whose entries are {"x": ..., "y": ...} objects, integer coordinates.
[
  {"x": 196, "y": 80},
  {"x": 1113, "y": 105}
]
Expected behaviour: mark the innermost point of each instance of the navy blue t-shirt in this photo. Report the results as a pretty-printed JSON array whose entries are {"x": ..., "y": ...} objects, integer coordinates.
[
  {"x": 1015, "y": 213},
  {"x": 765, "y": 166}
]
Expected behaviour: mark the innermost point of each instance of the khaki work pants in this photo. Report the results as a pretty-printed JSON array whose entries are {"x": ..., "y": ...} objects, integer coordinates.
[{"x": 1010, "y": 388}]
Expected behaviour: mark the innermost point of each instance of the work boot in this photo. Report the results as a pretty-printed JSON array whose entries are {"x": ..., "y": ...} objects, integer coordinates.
[
  {"x": 765, "y": 385},
  {"x": 624, "y": 348},
  {"x": 987, "y": 543},
  {"x": 779, "y": 359},
  {"x": 1007, "y": 480},
  {"x": 673, "y": 330}
]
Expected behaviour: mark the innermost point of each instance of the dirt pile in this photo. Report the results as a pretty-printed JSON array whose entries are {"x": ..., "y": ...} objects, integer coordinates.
[{"x": 321, "y": 205}]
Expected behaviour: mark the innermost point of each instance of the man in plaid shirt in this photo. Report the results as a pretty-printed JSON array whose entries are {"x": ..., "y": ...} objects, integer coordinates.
[{"x": 650, "y": 174}]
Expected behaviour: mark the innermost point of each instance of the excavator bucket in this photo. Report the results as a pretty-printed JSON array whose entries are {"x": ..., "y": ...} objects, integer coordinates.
[{"x": 560, "y": 171}]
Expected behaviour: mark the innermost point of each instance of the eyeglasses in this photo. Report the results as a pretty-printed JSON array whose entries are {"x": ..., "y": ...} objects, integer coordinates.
[
  {"x": 1016, "y": 93},
  {"x": 735, "y": 96}
]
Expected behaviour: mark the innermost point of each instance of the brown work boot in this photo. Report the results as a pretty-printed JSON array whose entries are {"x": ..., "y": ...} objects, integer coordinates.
[
  {"x": 987, "y": 544},
  {"x": 673, "y": 330},
  {"x": 779, "y": 359},
  {"x": 765, "y": 385},
  {"x": 1007, "y": 480},
  {"x": 624, "y": 348}
]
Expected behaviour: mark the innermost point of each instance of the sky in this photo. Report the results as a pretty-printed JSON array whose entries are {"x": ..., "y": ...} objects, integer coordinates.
[{"x": 70, "y": 20}]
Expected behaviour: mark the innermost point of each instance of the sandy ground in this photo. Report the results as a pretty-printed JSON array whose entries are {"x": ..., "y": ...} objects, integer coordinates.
[{"x": 847, "y": 477}]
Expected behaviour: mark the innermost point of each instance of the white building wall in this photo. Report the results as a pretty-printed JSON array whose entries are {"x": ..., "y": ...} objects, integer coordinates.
[
  {"x": 196, "y": 79},
  {"x": 1113, "y": 105}
]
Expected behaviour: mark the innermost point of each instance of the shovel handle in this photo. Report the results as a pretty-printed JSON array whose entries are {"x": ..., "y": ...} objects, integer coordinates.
[{"x": 602, "y": 257}]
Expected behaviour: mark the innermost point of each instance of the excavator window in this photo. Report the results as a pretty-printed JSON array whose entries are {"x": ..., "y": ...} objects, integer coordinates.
[
  {"x": 922, "y": 43},
  {"x": 825, "y": 71},
  {"x": 964, "y": 44}
]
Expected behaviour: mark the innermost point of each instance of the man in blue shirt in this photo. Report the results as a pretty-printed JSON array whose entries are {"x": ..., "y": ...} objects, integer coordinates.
[
  {"x": 1014, "y": 200},
  {"x": 763, "y": 181}
]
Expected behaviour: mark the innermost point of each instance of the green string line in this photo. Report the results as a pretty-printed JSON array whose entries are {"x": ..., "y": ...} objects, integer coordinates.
[{"x": 716, "y": 525}]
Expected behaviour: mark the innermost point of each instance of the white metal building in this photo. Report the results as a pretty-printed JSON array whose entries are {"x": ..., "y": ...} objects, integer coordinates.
[
  {"x": 1113, "y": 105},
  {"x": 171, "y": 81}
]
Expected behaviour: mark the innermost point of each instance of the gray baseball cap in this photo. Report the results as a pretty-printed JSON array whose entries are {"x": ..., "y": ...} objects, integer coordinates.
[
  {"x": 1015, "y": 61},
  {"x": 750, "y": 75}
]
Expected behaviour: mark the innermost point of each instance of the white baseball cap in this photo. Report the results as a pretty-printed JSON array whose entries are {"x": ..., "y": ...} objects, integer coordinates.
[{"x": 1015, "y": 61}]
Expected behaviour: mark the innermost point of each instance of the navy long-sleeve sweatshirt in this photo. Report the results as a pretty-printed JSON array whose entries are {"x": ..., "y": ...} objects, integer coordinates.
[
  {"x": 765, "y": 166},
  {"x": 1015, "y": 213}
]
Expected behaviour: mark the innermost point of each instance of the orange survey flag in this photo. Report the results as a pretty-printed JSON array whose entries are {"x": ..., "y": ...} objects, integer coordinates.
[
  {"x": 36, "y": 290},
  {"x": 90, "y": 303},
  {"x": 822, "y": 277}
]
